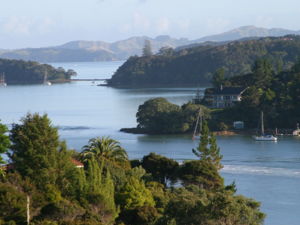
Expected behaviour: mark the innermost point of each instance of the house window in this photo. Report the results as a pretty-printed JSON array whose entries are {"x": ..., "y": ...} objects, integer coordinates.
[{"x": 220, "y": 105}]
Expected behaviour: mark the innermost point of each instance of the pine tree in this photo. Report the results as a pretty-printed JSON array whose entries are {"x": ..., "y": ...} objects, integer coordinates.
[
  {"x": 147, "y": 50},
  {"x": 214, "y": 150},
  {"x": 208, "y": 150},
  {"x": 203, "y": 150}
]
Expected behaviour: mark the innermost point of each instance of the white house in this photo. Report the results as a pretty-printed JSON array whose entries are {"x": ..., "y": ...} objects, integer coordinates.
[{"x": 223, "y": 97}]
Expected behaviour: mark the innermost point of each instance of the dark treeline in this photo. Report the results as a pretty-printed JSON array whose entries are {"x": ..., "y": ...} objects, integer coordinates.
[
  {"x": 100, "y": 185},
  {"x": 195, "y": 66},
  {"x": 30, "y": 72}
]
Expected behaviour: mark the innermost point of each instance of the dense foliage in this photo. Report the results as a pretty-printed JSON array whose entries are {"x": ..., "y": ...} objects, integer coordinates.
[
  {"x": 275, "y": 93},
  {"x": 195, "y": 66},
  {"x": 159, "y": 116},
  {"x": 29, "y": 72},
  {"x": 4, "y": 141},
  {"x": 106, "y": 190}
]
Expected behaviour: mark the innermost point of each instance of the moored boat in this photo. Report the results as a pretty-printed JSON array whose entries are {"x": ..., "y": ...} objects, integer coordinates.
[{"x": 263, "y": 136}]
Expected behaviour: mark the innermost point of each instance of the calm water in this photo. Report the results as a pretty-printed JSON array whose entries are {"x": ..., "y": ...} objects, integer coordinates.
[{"x": 268, "y": 172}]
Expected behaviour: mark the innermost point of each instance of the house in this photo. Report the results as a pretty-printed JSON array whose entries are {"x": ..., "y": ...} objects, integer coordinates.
[
  {"x": 77, "y": 164},
  {"x": 223, "y": 97}
]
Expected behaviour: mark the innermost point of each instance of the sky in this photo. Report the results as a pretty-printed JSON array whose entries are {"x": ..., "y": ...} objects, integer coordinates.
[{"x": 40, "y": 23}]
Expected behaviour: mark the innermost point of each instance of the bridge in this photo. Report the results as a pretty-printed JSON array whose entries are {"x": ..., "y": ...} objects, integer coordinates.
[{"x": 87, "y": 79}]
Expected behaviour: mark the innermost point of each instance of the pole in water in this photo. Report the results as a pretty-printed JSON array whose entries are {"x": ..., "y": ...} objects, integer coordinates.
[
  {"x": 262, "y": 124},
  {"x": 28, "y": 210}
]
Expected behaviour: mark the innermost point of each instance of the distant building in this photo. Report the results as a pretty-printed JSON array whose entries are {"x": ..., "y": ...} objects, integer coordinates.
[
  {"x": 238, "y": 125},
  {"x": 77, "y": 164},
  {"x": 223, "y": 97}
]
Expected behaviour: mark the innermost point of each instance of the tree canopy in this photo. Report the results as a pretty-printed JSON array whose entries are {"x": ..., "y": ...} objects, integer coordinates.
[
  {"x": 42, "y": 170},
  {"x": 29, "y": 72},
  {"x": 274, "y": 93},
  {"x": 196, "y": 65},
  {"x": 159, "y": 116}
]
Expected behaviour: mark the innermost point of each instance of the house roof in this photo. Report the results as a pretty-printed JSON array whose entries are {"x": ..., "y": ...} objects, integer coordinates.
[
  {"x": 77, "y": 163},
  {"x": 225, "y": 91}
]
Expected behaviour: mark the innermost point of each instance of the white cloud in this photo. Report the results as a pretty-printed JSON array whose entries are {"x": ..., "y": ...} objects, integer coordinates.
[
  {"x": 215, "y": 25},
  {"x": 25, "y": 26},
  {"x": 163, "y": 25},
  {"x": 16, "y": 25},
  {"x": 140, "y": 21},
  {"x": 264, "y": 21},
  {"x": 184, "y": 24}
]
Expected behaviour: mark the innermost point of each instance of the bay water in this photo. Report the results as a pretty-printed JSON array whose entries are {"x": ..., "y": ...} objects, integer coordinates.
[{"x": 266, "y": 171}]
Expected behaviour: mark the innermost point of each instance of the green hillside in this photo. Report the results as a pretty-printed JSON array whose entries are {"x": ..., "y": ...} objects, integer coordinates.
[{"x": 194, "y": 66}]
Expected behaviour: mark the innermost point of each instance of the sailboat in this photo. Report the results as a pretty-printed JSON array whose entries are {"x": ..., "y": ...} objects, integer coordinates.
[
  {"x": 46, "y": 82},
  {"x": 2, "y": 80},
  {"x": 199, "y": 121},
  {"x": 263, "y": 136}
]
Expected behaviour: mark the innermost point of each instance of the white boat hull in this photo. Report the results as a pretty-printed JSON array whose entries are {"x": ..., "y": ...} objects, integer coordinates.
[{"x": 265, "y": 138}]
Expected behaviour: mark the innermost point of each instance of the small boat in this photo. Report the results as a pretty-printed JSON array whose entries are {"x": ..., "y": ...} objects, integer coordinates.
[
  {"x": 263, "y": 136},
  {"x": 297, "y": 131}
]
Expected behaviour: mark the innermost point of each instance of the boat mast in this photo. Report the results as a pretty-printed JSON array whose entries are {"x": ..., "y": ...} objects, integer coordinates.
[
  {"x": 262, "y": 123},
  {"x": 45, "y": 77},
  {"x": 197, "y": 122}
]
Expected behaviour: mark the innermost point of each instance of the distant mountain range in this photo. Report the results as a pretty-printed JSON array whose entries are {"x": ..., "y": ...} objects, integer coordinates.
[{"x": 82, "y": 51}]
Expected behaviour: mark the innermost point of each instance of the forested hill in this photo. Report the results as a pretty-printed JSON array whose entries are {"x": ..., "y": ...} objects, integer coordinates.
[
  {"x": 195, "y": 66},
  {"x": 29, "y": 72}
]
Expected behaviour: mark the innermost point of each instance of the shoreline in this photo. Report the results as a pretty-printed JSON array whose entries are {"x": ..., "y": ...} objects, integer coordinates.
[{"x": 246, "y": 132}]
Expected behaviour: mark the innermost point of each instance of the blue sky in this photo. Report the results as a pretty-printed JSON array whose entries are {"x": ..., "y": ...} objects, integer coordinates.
[{"x": 36, "y": 23}]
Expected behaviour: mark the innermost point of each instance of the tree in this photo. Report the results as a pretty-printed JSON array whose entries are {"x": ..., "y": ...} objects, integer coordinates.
[
  {"x": 159, "y": 115},
  {"x": 201, "y": 173},
  {"x": 208, "y": 150},
  {"x": 166, "y": 51},
  {"x": 218, "y": 78},
  {"x": 4, "y": 141},
  {"x": 107, "y": 150},
  {"x": 147, "y": 50},
  {"x": 192, "y": 205},
  {"x": 12, "y": 205},
  {"x": 35, "y": 145},
  {"x": 134, "y": 194},
  {"x": 262, "y": 72},
  {"x": 100, "y": 191},
  {"x": 161, "y": 168}
]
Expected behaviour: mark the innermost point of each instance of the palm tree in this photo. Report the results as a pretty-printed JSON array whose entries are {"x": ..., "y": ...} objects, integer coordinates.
[{"x": 105, "y": 149}]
